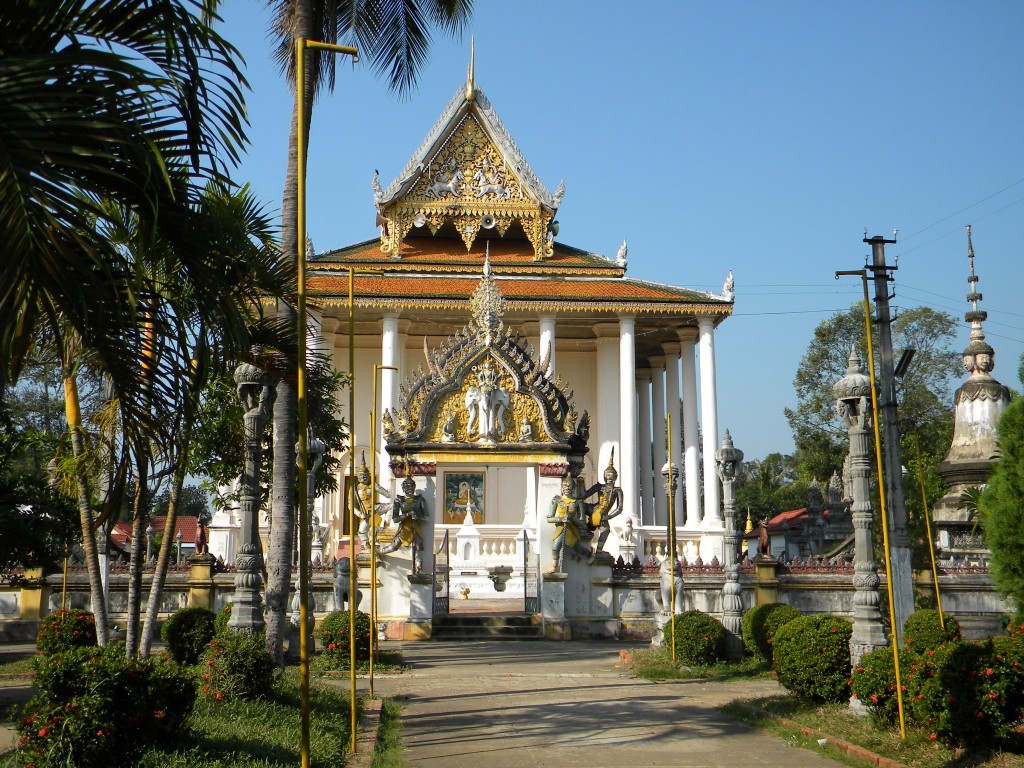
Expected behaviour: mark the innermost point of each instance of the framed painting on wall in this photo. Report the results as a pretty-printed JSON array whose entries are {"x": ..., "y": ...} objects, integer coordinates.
[{"x": 463, "y": 492}]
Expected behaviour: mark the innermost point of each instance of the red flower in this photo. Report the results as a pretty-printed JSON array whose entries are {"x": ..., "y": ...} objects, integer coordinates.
[
  {"x": 159, "y": 714},
  {"x": 219, "y": 696},
  {"x": 42, "y": 732},
  {"x": 933, "y": 736},
  {"x": 988, "y": 671}
]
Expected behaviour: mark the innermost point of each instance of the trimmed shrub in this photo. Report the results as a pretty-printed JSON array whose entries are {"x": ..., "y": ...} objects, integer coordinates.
[
  {"x": 220, "y": 622},
  {"x": 812, "y": 657},
  {"x": 963, "y": 695},
  {"x": 334, "y": 639},
  {"x": 95, "y": 707},
  {"x": 760, "y": 624},
  {"x": 699, "y": 638},
  {"x": 874, "y": 684},
  {"x": 236, "y": 665},
  {"x": 922, "y": 630},
  {"x": 187, "y": 632},
  {"x": 63, "y": 630}
]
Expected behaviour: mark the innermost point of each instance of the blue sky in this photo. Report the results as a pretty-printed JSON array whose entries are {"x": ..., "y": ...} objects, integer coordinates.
[{"x": 758, "y": 137}]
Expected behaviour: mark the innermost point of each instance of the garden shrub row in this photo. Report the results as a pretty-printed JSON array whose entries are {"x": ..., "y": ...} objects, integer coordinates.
[{"x": 961, "y": 693}]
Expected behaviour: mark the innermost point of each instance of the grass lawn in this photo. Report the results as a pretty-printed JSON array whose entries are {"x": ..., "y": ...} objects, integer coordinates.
[
  {"x": 388, "y": 753},
  {"x": 16, "y": 664},
  {"x": 262, "y": 734},
  {"x": 833, "y": 720}
]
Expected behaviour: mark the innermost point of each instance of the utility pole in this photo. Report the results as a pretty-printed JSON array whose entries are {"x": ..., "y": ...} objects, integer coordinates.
[{"x": 902, "y": 573}]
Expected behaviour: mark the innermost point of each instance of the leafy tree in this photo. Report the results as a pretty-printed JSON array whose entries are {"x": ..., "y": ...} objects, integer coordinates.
[
  {"x": 767, "y": 487},
  {"x": 394, "y": 36},
  {"x": 1002, "y": 505},
  {"x": 925, "y": 393},
  {"x": 37, "y": 520}
]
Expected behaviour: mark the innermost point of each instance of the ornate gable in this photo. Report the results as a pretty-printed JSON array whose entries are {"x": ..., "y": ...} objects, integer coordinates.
[
  {"x": 468, "y": 176},
  {"x": 484, "y": 388}
]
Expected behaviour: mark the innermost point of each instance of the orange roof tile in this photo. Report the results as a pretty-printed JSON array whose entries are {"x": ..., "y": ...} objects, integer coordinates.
[
  {"x": 428, "y": 290},
  {"x": 512, "y": 256}
]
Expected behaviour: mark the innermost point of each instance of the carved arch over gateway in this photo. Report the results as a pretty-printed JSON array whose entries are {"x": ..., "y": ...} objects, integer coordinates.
[{"x": 485, "y": 393}]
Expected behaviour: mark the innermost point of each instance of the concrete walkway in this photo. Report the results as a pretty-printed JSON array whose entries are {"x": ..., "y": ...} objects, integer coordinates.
[{"x": 494, "y": 704}]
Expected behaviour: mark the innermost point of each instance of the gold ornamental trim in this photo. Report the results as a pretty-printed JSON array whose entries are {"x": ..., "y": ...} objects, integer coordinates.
[{"x": 461, "y": 267}]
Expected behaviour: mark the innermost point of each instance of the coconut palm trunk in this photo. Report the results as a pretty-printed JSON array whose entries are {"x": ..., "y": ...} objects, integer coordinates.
[
  {"x": 283, "y": 508},
  {"x": 72, "y": 409}
]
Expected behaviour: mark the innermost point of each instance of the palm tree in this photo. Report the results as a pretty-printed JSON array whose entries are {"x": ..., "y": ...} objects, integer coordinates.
[
  {"x": 137, "y": 101},
  {"x": 394, "y": 36}
]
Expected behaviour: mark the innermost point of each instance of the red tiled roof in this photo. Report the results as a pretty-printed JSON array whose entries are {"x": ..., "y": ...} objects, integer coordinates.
[
  {"x": 794, "y": 518},
  {"x": 189, "y": 527},
  {"x": 450, "y": 255},
  {"x": 453, "y": 289}
]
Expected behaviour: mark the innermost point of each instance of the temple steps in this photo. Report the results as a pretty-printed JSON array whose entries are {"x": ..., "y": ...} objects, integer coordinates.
[{"x": 456, "y": 626}]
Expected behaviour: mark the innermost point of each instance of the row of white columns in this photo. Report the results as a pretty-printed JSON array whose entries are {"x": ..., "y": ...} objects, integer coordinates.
[{"x": 632, "y": 403}]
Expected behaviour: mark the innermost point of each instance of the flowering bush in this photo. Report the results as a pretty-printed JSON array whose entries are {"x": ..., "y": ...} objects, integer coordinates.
[
  {"x": 235, "y": 666},
  {"x": 812, "y": 657},
  {"x": 874, "y": 684},
  {"x": 187, "y": 632},
  {"x": 334, "y": 639},
  {"x": 64, "y": 630},
  {"x": 95, "y": 707},
  {"x": 220, "y": 623},
  {"x": 699, "y": 638},
  {"x": 760, "y": 624},
  {"x": 922, "y": 630}
]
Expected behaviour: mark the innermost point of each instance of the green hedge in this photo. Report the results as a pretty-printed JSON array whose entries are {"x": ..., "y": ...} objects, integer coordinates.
[
  {"x": 812, "y": 657},
  {"x": 64, "y": 630},
  {"x": 699, "y": 638},
  {"x": 760, "y": 624},
  {"x": 187, "y": 632},
  {"x": 922, "y": 631},
  {"x": 236, "y": 665},
  {"x": 96, "y": 708}
]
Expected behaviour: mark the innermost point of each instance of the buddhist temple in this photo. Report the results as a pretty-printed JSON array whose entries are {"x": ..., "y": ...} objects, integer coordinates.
[{"x": 506, "y": 360}]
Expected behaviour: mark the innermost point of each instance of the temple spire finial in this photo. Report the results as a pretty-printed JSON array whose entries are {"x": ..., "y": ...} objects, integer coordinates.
[
  {"x": 979, "y": 357},
  {"x": 470, "y": 72}
]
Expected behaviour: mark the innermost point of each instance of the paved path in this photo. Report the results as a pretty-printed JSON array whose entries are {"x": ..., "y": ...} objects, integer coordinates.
[{"x": 509, "y": 704}]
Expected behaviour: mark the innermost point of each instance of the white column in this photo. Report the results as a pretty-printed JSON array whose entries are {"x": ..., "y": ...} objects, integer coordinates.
[
  {"x": 388, "y": 389},
  {"x": 672, "y": 407},
  {"x": 605, "y": 426},
  {"x": 323, "y": 344},
  {"x": 547, "y": 342},
  {"x": 691, "y": 452},
  {"x": 657, "y": 364},
  {"x": 401, "y": 346},
  {"x": 709, "y": 424},
  {"x": 643, "y": 388},
  {"x": 627, "y": 418}
]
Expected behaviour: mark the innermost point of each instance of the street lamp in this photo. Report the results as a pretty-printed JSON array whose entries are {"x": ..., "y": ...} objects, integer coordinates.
[
  {"x": 301, "y": 45},
  {"x": 727, "y": 463},
  {"x": 149, "y": 542},
  {"x": 178, "y": 539},
  {"x": 371, "y": 513},
  {"x": 671, "y": 474}
]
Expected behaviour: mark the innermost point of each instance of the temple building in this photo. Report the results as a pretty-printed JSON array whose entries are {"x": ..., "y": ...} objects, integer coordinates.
[{"x": 505, "y": 360}]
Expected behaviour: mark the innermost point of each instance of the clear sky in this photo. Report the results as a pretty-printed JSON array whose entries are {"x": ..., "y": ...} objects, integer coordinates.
[{"x": 758, "y": 137}]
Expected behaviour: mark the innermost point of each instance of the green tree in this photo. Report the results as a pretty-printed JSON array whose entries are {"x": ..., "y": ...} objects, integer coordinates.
[
  {"x": 192, "y": 502},
  {"x": 925, "y": 392},
  {"x": 1001, "y": 506},
  {"x": 767, "y": 487},
  {"x": 394, "y": 36}
]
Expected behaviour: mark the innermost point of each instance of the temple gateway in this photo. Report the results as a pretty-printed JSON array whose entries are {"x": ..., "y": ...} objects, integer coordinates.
[{"x": 522, "y": 390}]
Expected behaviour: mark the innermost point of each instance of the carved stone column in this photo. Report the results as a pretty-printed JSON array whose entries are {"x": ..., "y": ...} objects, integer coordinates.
[
  {"x": 727, "y": 462},
  {"x": 853, "y": 398},
  {"x": 691, "y": 450},
  {"x": 254, "y": 390}
]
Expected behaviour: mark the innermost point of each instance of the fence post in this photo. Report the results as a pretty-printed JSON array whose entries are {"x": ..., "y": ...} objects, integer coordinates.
[{"x": 200, "y": 581}]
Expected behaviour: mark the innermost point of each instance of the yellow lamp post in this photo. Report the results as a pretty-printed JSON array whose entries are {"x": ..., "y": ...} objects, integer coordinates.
[{"x": 301, "y": 45}]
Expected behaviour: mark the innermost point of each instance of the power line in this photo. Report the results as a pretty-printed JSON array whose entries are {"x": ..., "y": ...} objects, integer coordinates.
[
  {"x": 959, "y": 229},
  {"x": 963, "y": 210}
]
